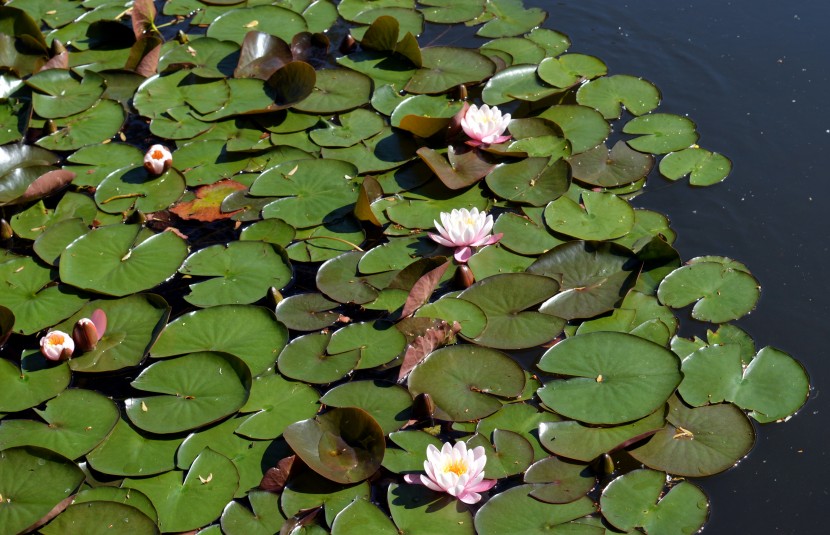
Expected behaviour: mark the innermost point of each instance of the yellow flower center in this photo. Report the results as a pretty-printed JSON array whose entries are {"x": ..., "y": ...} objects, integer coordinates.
[
  {"x": 457, "y": 467},
  {"x": 469, "y": 221},
  {"x": 55, "y": 339},
  {"x": 158, "y": 155}
]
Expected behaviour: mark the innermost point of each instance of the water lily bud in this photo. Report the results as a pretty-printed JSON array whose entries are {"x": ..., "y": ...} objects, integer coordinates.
[
  {"x": 6, "y": 232},
  {"x": 57, "y": 47},
  {"x": 85, "y": 335},
  {"x": 465, "y": 276},
  {"x": 158, "y": 159},
  {"x": 57, "y": 345}
]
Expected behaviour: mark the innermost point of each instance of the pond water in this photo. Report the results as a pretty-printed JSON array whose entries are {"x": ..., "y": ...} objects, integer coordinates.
[{"x": 754, "y": 77}]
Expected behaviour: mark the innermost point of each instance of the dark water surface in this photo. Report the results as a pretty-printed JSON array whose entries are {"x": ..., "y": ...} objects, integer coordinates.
[{"x": 755, "y": 77}]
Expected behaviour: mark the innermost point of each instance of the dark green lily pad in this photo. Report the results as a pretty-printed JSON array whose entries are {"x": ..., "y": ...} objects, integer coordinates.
[
  {"x": 130, "y": 497},
  {"x": 189, "y": 502},
  {"x": 50, "y": 245},
  {"x": 344, "y": 445},
  {"x": 233, "y": 25},
  {"x": 411, "y": 456},
  {"x": 243, "y": 273},
  {"x": 559, "y": 481},
  {"x": 94, "y": 125},
  {"x": 338, "y": 279},
  {"x": 337, "y": 90},
  {"x": 602, "y": 216},
  {"x": 276, "y": 403},
  {"x": 133, "y": 188},
  {"x": 100, "y": 518},
  {"x": 76, "y": 421},
  {"x": 37, "y": 480},
  {"x": 129, "y": 451},
  {"x": 310, "y": 490},
  {"x": 584, "y": 127},
  {"x": 462, "y": 392},
  {"x": 506, "y": 18},
  {"x": 636, "y": 499},
  {"x": 361, "y": 516},
  {"x": 505, "y": 300},
  {"x": 609, "y": 94},
  {"x": 29, "y": 293},
  {"x": 585, "y": 443},
  {"x": 195, "y": 390},
  {"x": 417, "y": 510},
  {"x": 661, "y": 133},
  {"x": 773, "y": 385},
  {"x": 133, "y": 323},
  {"x": 570, "y": 69},
  {"x": 390, "y": 405},
  {"x": 445, "y": 67},
  {"x": 611, "y": 168},
  {"x": 617, "y": 377},
  {"x": 353, "y": 127},
  {"x": 469, "y": 315},
  {"x": 703, "y": 167},
  {"x": 397, "y": 253},
  {"x": 35, "y": 381},
  {"x": 387, "y": 150},
  {"x": 20, "y": 166},
  {"x": 525, "y": 234},
  {"x": 535, "y": 181},
  {"x": 248, "y": 332},
  {"x": 721, "y": 293},
  {"x": 508, "y": 455},
  {"x": 307, "y": 312},
  {"x": 265, "y": 519},
  {"x": 115, "y": 260},
  {"x": 377, "y": 342},
  {"x": 305, "y": 359},
  {"x": 516, "y": 511},
  {"x": 698, "y": 442}
]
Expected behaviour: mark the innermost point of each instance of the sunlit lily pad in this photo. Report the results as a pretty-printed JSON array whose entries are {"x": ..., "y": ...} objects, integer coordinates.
[
  {"x": 517, "y": 82},
  {"x": 50, "y": 245},
  {"x": 94, "y": 125},
  {"x": 416, "y": 509},
  {"x": 601, "y": 216},
  {"x": 37, "y": 480},
  {"x": 62, "y": 94},
  {"x": 248, "y": 332},
  {"x": 377, "y": 342},
  {"x": 305, "y": 359},
  {"x": 337, "y": 90},
  {"x": 95, "y": 162},
  {"x": 276, "y": 403},
  {"x": 265, "y": 519},
  {"x": 99, "y": 517},
  {"x": 194, "y": 390},
  {"x": 462, "y": 392},
  {"x": 243, "y": 272},
  {"x": 310, "y": 490},
  {"x": 352, "y": 128},
  {"x": 506, "y": 18},
  {"x": 307, "y": 312},
  {"x": 129, "y": 451},
  {"x": 446, "y": 67},
  {"x": 611, "y": 168},
  {"x": 559, "y": 481},
  {"x": 636, "y": 499},
  {"x": 535, "y": 181},
  {"x": 452, "y": 11},
  {"x": 516, "y": 511},
  {"x": 698, "y": 442},
  {"x": 387, "y": 150},
  {"x": 509, "y": 454},
  {"x": 128, "y": 189},
  {"x": 570, "y": 69},
  {"x": 388, "y": 404},
  {"x": 584, "y": 127},
  {"x": 525, "y": 234},
  {"x": 361, "y": 515},
  {"x": 661, "y": 133},
  {"x": 35, "y": 381},
  {"x": 609, "y": 94},
  {"x": 703, "y": 167},
  {"x": 616, "y": 377},
  {"x": 234, "y": 24}
]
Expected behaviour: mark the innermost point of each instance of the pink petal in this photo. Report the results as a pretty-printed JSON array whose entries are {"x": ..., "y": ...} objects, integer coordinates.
[
  {"x": 414, "y": 479},
  {"x": 485, "y": 485},
  {"x": 469, "y": 497},
  {"x": 462, "y": 254},
  {"x": 440, "y": 239}
]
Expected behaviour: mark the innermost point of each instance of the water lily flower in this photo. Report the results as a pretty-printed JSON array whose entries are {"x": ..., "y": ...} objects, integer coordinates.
[
  {"x": 455, "y": 470},
  {"x": 485, "y": 125},
  {"x": 465, "y": 229},
  {"x": 57, "y": 345},
  {"x": 88, "y": 331},
  {"x": 158, "y": 159}
]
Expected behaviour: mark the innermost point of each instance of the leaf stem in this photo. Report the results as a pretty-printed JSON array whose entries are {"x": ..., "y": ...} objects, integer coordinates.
[{"x": 341, "y": 240}]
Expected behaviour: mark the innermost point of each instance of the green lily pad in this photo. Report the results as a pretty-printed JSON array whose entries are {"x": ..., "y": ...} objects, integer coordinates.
[
  {"x": 698, "y": 442},
  {"x": 20, "y": 166},
  {"x": 525, "y": 234},
  {"x": 250, "y": 333},
  {"x": 56, "y": 238},
  {"x": 517, "y": 511},
  {"x": 14, "y": 120},
  {"x": 265, "y": 519},
  {"x": 338, "y": 279},
  {"x": 603, "y": 217},
  {"x": 661, "y": 133},
  {"x": 36, "y": 480},
  {"x": 559, "y": 481},
  {"x": 130, "y": 497},
  {"x": 469, "y": 315},
  {"x": 397, "y": 253},
  {"x": 133, "y": 323},
  {"x": 451, "y": 11},
  {"x": 133, "y": 188},
  {"x": 189, "y": 502},
  {"x": 337, "y": 90},
  {"x": 100, "y": 518},
  {"x": 591, "y": 275},
  {"x": 389, "y": 404},
  {"x": 275, "y": 231},
  {"x": 32, "y": 297},
  {"x": 585, "y": 443},
  {"x": 617, "y": 377},
  {"x": 609, "y": 94},
  {"x": 377, "y": 342},
  {"x": 417, "y": 510},
  {"x": 129, "y": 451},
  {"x": 361, "y": 516},
  {"x": 509, "y": 17},
  {"x": 115, "y": 260},
  {"x": 444, "y": 67},
  {"x": 62, "y": 94},
  {"x": 505, "y": 300},
  {"x": 76, "y": 421},
  {"x": 521, "y": 419},
  {"x": 517, "y": 82},
  {"x": 462, "y": 392},
  {"x": 310, "y": 490},
  {"x": 276, "y": 403},
  {"x": 307, "y": 312},
  {"x": 773, "y": 385},
  {"x": 636, "y": 499},
  {"x": 353, "y": 127},
  {"x": 609, "y": 169},
  {"x": 508, "y": 455},
  {"x": 344, "y": 445},
  {"x": 209, "y": 58},
  {"x": 242, "y": 271},
  {"x": 387, "y": 150},
  {"x": 721, "y": 293},
  {"x": 519, "y": 49},
  {"x": 305, "y": 359},
  {"x": 234, "y": 24},
  {"x": 703, "y": 167},
  {"x": 94, "y": 125},
  {"x": 35, "y": 381},
  {"x": 425, "y": 115},
  {"x": 584, "y": 127},
  {"x": 326, "y": 241},
  {"x": 195, "y": 390},
  {"x": 95, "y": 162},
  {"x": 535, "y": 181},
  {"x": 412, "y": 453},
  {"x": 570, "y": 69}
]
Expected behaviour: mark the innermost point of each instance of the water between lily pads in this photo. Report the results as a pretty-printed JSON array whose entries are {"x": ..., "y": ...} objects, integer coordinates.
[{"x": 754, "y": 76}]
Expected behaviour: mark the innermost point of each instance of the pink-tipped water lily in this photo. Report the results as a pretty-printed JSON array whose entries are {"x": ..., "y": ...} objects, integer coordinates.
[
  {"x": 455, "y": 470},
  {"x": 88, "y": 331},
  {"x": 485, "y": 125},
  {"x": 464, "y": 229},
  {"x": 158, "y": 159},
  {"x": 57, "y": 345}
]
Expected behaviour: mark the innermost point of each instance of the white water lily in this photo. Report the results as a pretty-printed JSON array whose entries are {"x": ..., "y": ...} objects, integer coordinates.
[
  {"x": 57, "y": 345},
  {"x": 158, "y": 159},
  {"x": 464, "y": 229},
  {"x": 485, "y": 125},
  {"x": 455, "y": 470}
]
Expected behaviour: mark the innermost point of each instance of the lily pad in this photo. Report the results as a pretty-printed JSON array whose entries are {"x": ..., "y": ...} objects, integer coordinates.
[
  {"x": 377, "y": 342},
  {"x": 250, "y": 333},
  {"x": 559, "y": 481},
  {"x": 35, "y": 381},
  {"x": 602, "y": 216},
  {"x": 129, "y": 451},
  {"x": 509, "y": 18},
  {"x": 609, "y": 94},
  {"x": 703, "y": 167},
  {"x": 276, "y": 403},
  {"x": 133, "y": 188},
  {"x": 661, "y": 133},
  {"x": 617, "y": 377},
  {"x": 353, "y": 127},
  {"x": 234, "y": 24},
  {"x": 445, "y": 67},
  {"x": 115, "y": 260},
  {"x": 337, "y": 90},
  {"x": 361, "y": 515},
  {"x": 307, "y": 312},
  {"x": 310, "y": 490},
  {"x": 94, "y": 125},
  {"x": 194, "y": 390},
  {"x": 305, "y": 359},
  {"x": 609, "y": 169},
  {"x": 462, "y": 392},
  {"x": 265, "y": 519},
  {"x": 100, "y": 517},
  {"x": 390, "y": 405},
  {"x": 242, "y": 271},
  {"x": 416, "y": 510},
  {"x": 516, "y": 511},
  {"x": 584, "y": 127},
  {"x": 535, "y": 181}
]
